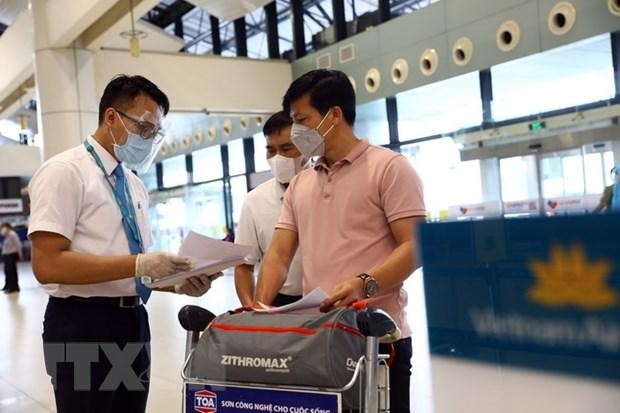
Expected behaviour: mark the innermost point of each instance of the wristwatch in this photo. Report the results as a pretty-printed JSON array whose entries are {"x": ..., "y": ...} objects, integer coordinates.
[{"x": 370, "y": 285}]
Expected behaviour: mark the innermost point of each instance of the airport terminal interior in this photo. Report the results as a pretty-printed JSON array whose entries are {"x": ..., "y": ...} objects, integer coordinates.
[{"x": 508, "y": 110}]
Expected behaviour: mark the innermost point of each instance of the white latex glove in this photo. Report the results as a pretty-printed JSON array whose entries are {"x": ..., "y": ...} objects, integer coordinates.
[
  {"x": 160, "y": 264},
  {"x": 195, "y": 286}
]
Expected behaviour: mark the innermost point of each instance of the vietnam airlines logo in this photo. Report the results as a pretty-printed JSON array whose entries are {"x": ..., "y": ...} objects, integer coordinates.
[{"x": 569, "y": 279}]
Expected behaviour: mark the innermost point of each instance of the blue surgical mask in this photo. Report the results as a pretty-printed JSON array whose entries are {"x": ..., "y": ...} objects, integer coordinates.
[
  {"x": 134, "y": 151},
  {"x": 308, "y": 140}
]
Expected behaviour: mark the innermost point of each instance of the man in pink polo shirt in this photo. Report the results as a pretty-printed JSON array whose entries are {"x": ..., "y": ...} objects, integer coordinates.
[{"x": 353, "y": 215}]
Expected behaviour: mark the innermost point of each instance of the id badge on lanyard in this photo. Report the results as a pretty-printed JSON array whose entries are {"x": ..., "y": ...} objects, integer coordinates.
[{"x": 127, "y": 210}]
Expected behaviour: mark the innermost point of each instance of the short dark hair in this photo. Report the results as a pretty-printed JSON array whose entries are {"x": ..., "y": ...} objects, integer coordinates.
[
  {"x": 276, "y": 123},
  {"x": 7, "y": 225},
  {"x": 327, "y": 88},
  {"x": 123, "y": 89}
]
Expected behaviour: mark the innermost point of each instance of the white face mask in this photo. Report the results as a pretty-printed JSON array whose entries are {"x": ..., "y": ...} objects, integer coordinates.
[
  {"x": 284, "y": 169},
  {"x": 308, "y": 140},
  {"x": 4, "y": 232}
]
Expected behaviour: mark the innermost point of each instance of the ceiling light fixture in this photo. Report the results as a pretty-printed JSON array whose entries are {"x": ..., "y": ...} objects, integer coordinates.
[{"x": 133, "y": 35}]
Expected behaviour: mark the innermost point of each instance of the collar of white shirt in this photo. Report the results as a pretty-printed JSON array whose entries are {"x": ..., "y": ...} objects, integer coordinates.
[{"x": 109, "y": 162}]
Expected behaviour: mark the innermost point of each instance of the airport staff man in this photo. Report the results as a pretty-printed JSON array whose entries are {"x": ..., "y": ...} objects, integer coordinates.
[
  {"x": 90, "y": 232},
  {"x": 353, "y": 215},
  {"x": 261, "y": 209}
]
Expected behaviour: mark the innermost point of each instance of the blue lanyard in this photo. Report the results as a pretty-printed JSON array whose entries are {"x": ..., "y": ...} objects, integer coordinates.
[{"x": 127, "y": 211}]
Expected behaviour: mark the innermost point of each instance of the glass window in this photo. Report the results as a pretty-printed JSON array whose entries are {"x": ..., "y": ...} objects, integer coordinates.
[
  {"x": 447, "y": 181},
  {"x": 285, "y": 31},
  {"x": 195, "y": 23},
  {"x": 356, "y": 8},
  {"x": 229, "y": 53},
  {"x": 562, "y": 174},
  {"x": 595, "y": 172},
  {"x": 317, "y": 22},
  {"x": 150, "y": 178},
  {"x": 206, "y": 213},
  {"x": 168, "y": 215},
  {"x": 518, "y": 178},
  {"x": 573, "y": 175},
  {"x": 236, "y": 157},
  {"x": 175, "y": 171},
  {"x": 371, "y": 122},
  {"x": 207, "y": 164},
  {"x": 440, "y": 108},
  {"x": 597, "y": 167},
  {"x": 227, "y": 36},
  {"x": 257, "y": 36},
  {"x": 257, "y": 46},
  {"x": 238, "y": 189},
  {"x": 552, "y": 178},
  {"x": 260, "y": 153},
  {"x": 568, "y": 76}
]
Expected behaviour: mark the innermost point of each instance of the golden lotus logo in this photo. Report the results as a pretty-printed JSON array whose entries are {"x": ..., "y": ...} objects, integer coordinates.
[{"x": 568, "y": 279}]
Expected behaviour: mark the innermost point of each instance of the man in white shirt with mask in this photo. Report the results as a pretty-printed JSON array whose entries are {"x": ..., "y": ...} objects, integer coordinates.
[
  {"x": 90, "y": 236},
  {"x": 261, "y": 209}
]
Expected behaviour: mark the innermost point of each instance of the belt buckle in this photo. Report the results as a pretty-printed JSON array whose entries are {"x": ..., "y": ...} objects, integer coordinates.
[{"x": 128, "y": 302}]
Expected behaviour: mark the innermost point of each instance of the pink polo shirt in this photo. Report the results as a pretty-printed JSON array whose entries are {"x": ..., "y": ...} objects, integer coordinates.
[{"x": 342, "y": 216}]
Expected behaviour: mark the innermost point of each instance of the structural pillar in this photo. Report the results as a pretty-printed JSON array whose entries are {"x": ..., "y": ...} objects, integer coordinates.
[
  {"x": 299, "y": 41},
  {"x": 65, "y": 84},
  {"x": 340, "y": 23},
  {"x": 273, "y": 39}
]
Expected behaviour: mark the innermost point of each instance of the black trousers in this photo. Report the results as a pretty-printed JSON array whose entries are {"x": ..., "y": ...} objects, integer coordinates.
[
  {"x": 400, "y": 374},
  {"x": 283, "y": 299},
  {"x": 98, "y": 356},
  {"x": 10, "y": 271}
]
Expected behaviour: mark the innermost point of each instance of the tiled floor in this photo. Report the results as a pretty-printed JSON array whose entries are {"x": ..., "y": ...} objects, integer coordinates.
[{"x": 456, "y": 386}]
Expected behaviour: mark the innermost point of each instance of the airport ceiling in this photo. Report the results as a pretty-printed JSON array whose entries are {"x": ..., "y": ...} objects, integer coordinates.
[
  {"x": 9, "y": 9},
  {"x": 191, "y": 20}
]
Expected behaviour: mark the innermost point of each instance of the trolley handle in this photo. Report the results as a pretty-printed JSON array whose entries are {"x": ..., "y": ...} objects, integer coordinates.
[
  {"x": 374, "y": 322},
  {"x": 194, "y": 320}
]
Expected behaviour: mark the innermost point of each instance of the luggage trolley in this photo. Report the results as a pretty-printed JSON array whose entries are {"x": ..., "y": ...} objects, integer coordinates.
[{"x": 371, "y": 374}]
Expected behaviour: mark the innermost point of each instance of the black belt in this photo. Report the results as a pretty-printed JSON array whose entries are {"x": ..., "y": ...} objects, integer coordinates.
[{"x": 131, "y": 301}]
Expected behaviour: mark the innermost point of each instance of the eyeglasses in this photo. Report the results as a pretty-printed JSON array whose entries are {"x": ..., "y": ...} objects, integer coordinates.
[{"x": 146, "y": 129}]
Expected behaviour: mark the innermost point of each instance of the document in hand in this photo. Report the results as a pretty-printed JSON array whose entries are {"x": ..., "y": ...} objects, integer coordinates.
[
  {"x": 208, "y": 256},
  {"x": 308, "y": 303}
]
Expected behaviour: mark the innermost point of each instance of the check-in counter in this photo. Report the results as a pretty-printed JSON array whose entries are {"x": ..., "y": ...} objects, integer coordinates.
[{"x": 526, "y": 309}]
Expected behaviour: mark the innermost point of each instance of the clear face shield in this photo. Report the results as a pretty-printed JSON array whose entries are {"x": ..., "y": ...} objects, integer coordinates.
[{"x": 141, "y": 148}]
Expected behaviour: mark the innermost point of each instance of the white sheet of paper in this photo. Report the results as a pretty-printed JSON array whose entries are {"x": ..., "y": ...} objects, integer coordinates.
[
  {"x": 309, "y": 301},
  {"x": 208, "y": 256},
  {"x": 201, "y": 247}
]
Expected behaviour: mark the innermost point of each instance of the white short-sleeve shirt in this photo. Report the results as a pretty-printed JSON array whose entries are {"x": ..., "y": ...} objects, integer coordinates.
[
  {"x": 11, "y": 244},
  {"x": 70, "y": 196},
  {"x": 259, "y": 216}
]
